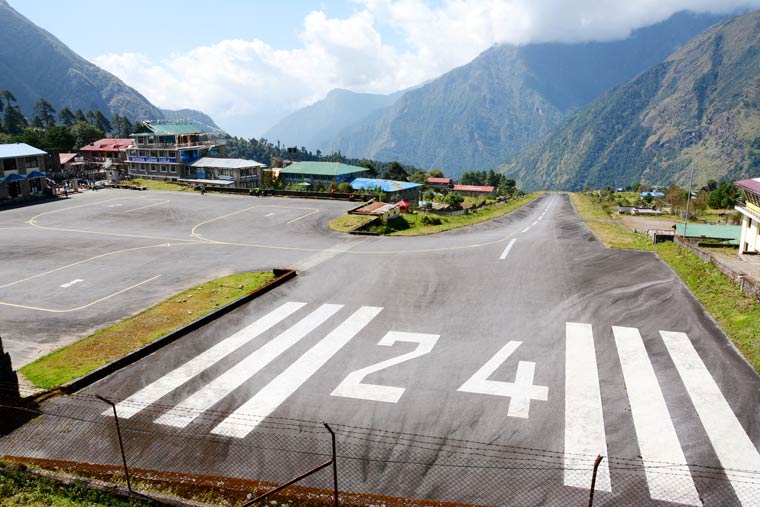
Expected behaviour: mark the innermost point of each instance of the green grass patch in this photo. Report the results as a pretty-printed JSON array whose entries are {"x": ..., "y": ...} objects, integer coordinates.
[
  {"x": 159, "y": 185},
  {"x": 736, "y": 313},
  {"x": 113, "y": 342},
  {"x": 421, "y": 224},
  {"x": 348, "y": 223},
  {"x": 22, "y": 489}
]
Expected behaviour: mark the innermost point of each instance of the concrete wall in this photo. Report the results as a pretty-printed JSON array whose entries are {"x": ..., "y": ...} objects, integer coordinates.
[{"x": 746, "y": 283}]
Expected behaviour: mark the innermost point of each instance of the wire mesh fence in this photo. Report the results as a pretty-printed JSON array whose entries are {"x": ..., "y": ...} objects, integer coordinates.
[{"x": 374, "y": 466}]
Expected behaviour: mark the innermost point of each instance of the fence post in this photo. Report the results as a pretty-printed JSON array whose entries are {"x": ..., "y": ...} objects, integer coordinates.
[
  {"x": 121, "y": 444},
  {"x": 597, "y": 461},
  {"x": 334, "y": 464}
]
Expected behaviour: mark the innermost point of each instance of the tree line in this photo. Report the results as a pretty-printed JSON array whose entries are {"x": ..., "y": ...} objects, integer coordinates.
[{"x": 58, "y": 131}]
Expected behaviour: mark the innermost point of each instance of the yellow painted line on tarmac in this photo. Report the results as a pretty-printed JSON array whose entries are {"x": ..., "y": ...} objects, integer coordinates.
[
  {"x": 115, "y": 252},
  {"x": 51, "y": 310}
]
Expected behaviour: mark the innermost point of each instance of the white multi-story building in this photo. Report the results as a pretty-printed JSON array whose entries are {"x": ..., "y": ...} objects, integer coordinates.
[
  {"x": 750, "y": 238},
  {"x": 166, "y": 151}
]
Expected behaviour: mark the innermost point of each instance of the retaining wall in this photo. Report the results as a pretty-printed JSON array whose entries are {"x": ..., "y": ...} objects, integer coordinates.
[{"x": 746, "y": 283}]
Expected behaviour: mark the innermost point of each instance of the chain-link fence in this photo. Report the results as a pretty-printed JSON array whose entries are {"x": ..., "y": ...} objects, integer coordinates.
[{"x": 374, "y": 466}]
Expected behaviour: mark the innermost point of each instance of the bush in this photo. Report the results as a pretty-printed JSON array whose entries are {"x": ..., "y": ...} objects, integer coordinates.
[{"x": 430, "y": 220}]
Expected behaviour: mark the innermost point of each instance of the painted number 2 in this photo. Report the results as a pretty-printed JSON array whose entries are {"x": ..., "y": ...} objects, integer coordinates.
[
  {"x": 352, "y": 386},
  {"x": 521, "y": 391}
]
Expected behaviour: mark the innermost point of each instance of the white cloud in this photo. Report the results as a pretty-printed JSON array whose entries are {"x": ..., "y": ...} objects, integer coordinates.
[{"x": 247, "y": 85}]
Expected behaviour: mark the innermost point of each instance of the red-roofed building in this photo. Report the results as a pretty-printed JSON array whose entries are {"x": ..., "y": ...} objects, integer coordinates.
[
  {"x": 474, "y": 190},
  {"x": 750, "y": 236},
  {"x": 106, "y": 158},
  {"x": 440, "y": 182}
]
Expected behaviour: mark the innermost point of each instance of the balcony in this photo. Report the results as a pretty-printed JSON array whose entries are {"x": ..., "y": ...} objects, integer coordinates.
[{"x": 749, "y": 210}]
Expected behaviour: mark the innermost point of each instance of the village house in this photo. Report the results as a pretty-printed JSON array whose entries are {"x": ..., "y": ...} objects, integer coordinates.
[
  {"x": 235, "y": 172},
  {"x": 320, "y": 174},
  {"x": 105, "y": 158},
  {"x": 22, "y": 170},
  {"x": 440, "y": 183},
  {"x": 394, "y": 190},
  {"x": 475, "y": 190}
]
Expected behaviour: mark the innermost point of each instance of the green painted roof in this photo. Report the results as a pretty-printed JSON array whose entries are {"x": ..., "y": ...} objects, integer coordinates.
[
  {"x": 173, "y": 129},
  {"x": 727, "y": 232},
  {"x": 322, "y": 168}
]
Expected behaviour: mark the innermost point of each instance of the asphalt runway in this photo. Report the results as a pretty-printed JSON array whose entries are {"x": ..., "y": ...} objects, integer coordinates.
[{"x": 486, "y": 365}]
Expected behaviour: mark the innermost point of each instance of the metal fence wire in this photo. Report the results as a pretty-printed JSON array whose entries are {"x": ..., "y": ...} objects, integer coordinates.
[{"x": 78, "y": 433}]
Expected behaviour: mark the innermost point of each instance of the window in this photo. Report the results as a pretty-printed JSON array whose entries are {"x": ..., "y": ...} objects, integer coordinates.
[
  {"x": 30, "y": 162},
  {"x": 163, "y": 168},
  {"x": 173, "y": 169},
  {"x": 152, "y": 168}
]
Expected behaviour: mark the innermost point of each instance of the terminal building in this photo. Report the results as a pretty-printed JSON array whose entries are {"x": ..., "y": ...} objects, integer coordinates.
[
  {"x": 166, "y": 151},
  {"x": 233, "y": 172}
]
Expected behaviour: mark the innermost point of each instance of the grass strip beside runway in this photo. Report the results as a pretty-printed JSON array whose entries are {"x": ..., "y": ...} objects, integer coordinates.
[
  {"x": 159, "y": 185},
  {"x": 348, "y": 223},
  {"x": 736, "y": 313},
  {"x": 115, "y": 341}
]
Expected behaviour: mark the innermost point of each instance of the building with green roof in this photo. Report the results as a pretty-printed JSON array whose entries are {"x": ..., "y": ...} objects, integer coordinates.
[
  {"x": 320, "y": 173},
  {"x": 167, "y": 150}
]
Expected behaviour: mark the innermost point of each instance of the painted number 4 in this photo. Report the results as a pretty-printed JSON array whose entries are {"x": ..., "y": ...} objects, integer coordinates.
[{"x": 521, "y": 391}]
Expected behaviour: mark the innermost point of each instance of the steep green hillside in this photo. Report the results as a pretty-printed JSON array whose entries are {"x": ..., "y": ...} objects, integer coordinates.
[
  {"x": 485, "y": 112},
  {"x": 700, "y": 109},
  {"x": 35, "y": 64}
]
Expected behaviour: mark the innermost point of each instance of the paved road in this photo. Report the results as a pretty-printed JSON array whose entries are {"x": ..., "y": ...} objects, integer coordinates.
[{"x": 488, "y": 365}]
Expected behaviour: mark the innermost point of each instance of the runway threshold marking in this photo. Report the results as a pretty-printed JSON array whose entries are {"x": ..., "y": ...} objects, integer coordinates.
[
  {"x": 191, "y": 407},
  {"x": 661, "y": 451},
  {"x": 249, "y": 415},
  {"x": 584, "y": 422},
  {"x": 735, "y": 450},
  {"x": 175, "y": 378},
  {"x": 507, "y": 249},
  {"x": 105, "y": 298},
  {"x": 69, "y": 284}
]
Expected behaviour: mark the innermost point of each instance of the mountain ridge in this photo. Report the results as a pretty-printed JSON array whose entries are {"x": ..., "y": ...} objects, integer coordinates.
[
  {"x": 36, "y": 64},
  {"x": 483, "y": 113},
  {"x": 697, "y": 110}
]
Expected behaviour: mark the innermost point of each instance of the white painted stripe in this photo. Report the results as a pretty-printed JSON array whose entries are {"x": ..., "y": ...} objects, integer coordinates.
[
  {"x": 165, "y": 201},
  {"x": 584, "y": 421},
  {"x": 269, "y": 214},
  {"x": 172, "y": 380},
  {"x": 303, "y": 216},
  {"x": 195, "y": 404},
  {"x": 245, "y": 419},
  {"x": 667, "y": 474},
  {"x": 526, "y": 229},
  {"x": 507, "y": 249},
  {"x": 735, "y": 450},
  {"x": 69, "y": 284}
]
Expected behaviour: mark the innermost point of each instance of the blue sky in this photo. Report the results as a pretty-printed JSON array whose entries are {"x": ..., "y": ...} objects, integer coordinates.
[{"x": 249, "y": 63}]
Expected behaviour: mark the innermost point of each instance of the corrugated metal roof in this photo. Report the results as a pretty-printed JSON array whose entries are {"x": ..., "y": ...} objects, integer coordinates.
[
  {"x": 727, "y": 232},
  {"x": 19, "y": 150},
  {"x": 173, "y": 129},
  {"x": 753, "y": 184},
  {"x": 322, "y": 169},
  {"x": 226, "y": 163},
  {"x": 444, "y": 181},
  {"x": 473, "y": 188},
  {"x": 108, "y": 145},
  {"x": 384, "y": 185}
]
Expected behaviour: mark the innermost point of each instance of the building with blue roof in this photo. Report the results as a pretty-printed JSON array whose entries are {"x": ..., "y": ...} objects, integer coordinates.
[
  {"x": 395, "y": 190},
  {"x": 21, "y": 170}
]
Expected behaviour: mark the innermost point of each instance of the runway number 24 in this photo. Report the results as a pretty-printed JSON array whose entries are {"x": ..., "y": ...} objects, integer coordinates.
[{"x": 520, "y": 392}]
